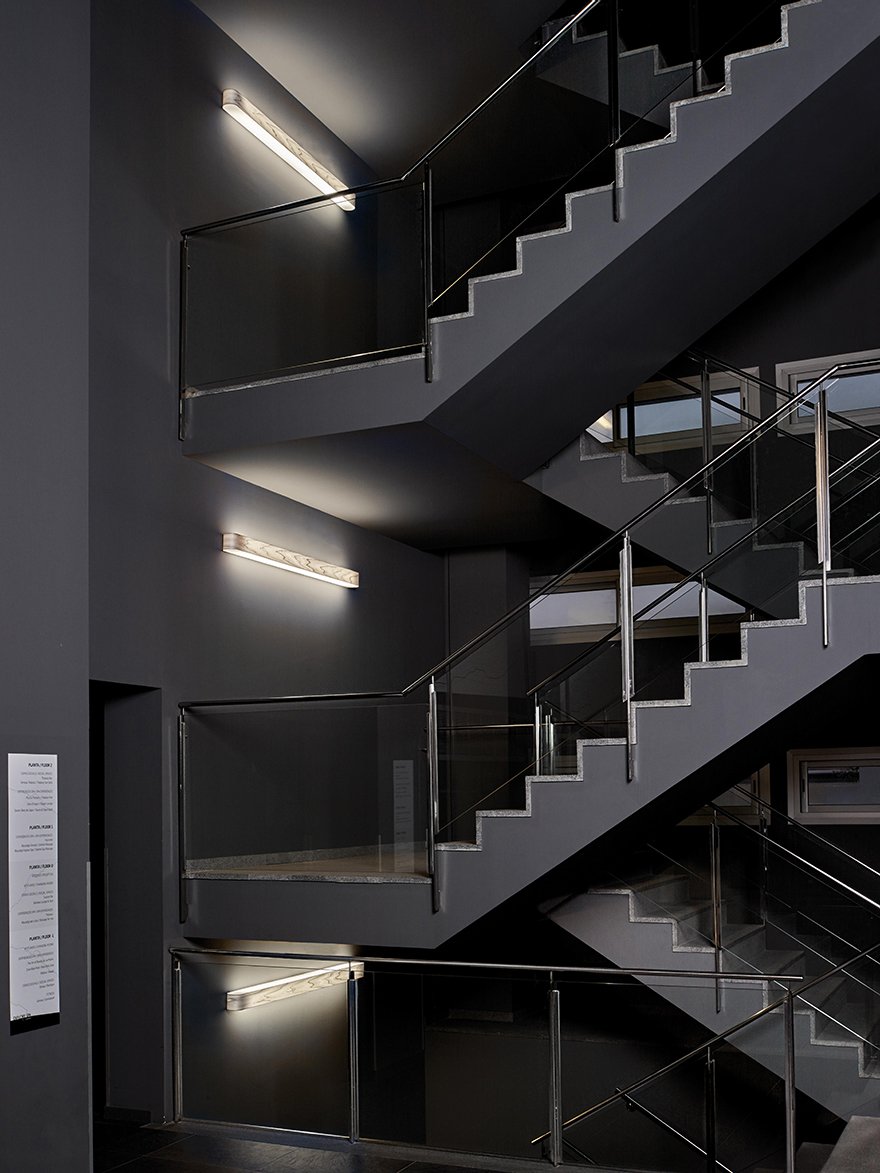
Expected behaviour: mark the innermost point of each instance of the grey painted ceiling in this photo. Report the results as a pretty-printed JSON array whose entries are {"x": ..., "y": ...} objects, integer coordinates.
[{"x": 389, "y": 77}]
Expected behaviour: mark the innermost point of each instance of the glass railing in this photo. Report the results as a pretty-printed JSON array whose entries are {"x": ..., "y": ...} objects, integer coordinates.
[
  {"x": 493, "y": 1060},
  {"x": 310, "y": 285},
  {"x": 306, "y": 788},
  {"x": 302, "y": 289},
  {"x": 568, "y": 664},
  {"x": 767, "y": 897}
]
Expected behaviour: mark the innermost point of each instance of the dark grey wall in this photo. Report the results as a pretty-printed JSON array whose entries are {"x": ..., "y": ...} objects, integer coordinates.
[
  {"x": 823, "y": 304},
  {"x": 168, "y": 609},
  {"x": 44, "y": 62}
]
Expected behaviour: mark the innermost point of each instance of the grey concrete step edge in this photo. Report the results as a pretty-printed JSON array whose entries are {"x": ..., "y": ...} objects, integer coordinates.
[
  {"x": 621, "y": 154},
  {"x": 682, "y": 702},
  {"x": 866, "y": 1061}
]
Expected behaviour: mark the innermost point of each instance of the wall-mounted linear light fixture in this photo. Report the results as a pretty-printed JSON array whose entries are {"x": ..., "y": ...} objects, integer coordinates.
[
  {"x": 286, "y": 148},
  {"x": 290, "y": 987},
  {"x": 257, "y": 551}
]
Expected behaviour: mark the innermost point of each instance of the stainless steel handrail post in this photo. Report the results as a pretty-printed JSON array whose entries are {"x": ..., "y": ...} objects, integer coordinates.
[
  {"x": 550, "y": 741},
  {"x": 706, "y": 425},
  {"x": 177, "y": 1039},
  {"x": 790, "y": 1089},
  {"x": 181, "y": 337},
  {"x": 696, "y": 63},
  {"x": 711, "y": 1113},
  {"x": 182, "y": 904},
  {"x": 433, "y": 821},
  {"x": 539, "y": 740},
  {"x": 555, "y": 1083},
  {"x": 823, "y": 502},
  {"x": 428, "y": 268},
  {"x": 715, "y": 880},
  {"x": 765, "y": 865},
  {"x": 354, "y": 1081},
  {"x": 704, "y": 619},
  {"x": 614, "y": 124},
  {"x": 627, "y": 650},
  {"x": 631, "y": 423}
]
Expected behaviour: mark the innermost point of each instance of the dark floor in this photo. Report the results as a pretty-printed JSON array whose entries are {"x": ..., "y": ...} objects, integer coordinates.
[{"x": 156, "y": 1150}]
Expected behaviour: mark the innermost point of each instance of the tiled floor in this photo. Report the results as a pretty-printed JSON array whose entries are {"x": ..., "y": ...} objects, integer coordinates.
[{"x": 131, "y": 1149}]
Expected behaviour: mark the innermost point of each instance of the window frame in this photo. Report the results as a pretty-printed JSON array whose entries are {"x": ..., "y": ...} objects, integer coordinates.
[
  {"x": 798, "y": 806},
  {"x": 788, "y": 374}
]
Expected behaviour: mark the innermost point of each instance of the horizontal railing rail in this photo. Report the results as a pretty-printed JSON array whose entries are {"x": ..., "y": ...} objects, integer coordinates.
[
  {"x": 493, "y": 966},
  {"x": 181, "y": 954}
]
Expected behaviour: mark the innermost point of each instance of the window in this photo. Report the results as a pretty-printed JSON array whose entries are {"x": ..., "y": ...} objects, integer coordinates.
[
  {"x": 667, "y": 415},
  {"x": 855, "y": 395},
  {"x": 834, "y": 785}
]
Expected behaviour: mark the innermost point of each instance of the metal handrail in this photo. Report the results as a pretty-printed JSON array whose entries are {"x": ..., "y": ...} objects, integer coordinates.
[
  {"x": 808, "y": 831},
  {"x": 518, "y": 967},
  {"x": 647, "y": 1080},
  {"x": 746, "y": 440},
  {"x": 804, "y": 863},
  {"x": 366, "y": 188},
  {"x": 727, "y": 368},
  {"x": 671, "y": 1129}
]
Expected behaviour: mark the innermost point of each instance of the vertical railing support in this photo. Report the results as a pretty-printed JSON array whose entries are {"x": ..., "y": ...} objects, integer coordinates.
[
  {"x": 790, "y": 1089},
  {"x": 182, "y": 904},
  {"x": 711, "y": 1132},
  {"x": 177, "y": 1039},
  {"x": 354, "y": 1081},
  {"x": 823, "y": 504},
  {"x": 613, "y": 43},
  {"x": 631, "y": 423},
  {"x": 704, "y": 619},
  {"x": 696, "y": 62},
  {"x": 539, "y": 739},
  {"x": 181, "y": 339},
  {"x": 428, "y": 267},
  {"x": 433, "y": 821},
  {"x": 706, "y": 424},
  {"x": 555, "y": 1104},
  {"x": 715, "y": 881},
  {"x": 627, "y": 650},
  {"x": 765, "y": 865}
]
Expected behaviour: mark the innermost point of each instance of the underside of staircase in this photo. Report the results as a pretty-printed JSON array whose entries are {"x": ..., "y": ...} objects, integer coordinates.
[
  {"x": 587, "y": 313},
  {"x": 724, "y": 706},
  {"x": 655, "y": 923}
]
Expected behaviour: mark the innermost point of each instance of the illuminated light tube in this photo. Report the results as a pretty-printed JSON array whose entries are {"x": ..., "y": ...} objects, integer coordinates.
[
  {"x": 262, "y": 127},
  {"x": 289, "y": 987},
  {"x": 257, "y": 551}
]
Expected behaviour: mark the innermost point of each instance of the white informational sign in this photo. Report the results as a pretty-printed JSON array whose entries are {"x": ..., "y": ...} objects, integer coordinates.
[
  {"x": 404, "y": 811},
  {"x": 33, "y": 885}
]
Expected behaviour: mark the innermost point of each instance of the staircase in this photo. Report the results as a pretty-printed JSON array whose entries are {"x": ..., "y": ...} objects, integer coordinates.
[
  {"x": 585, "y": 315},
  {"x": 656, "y": 923},
  {"x": 706, "y": 732},
  {"x": 611, "y": 486},
  {"x": 647, "y": 84}
]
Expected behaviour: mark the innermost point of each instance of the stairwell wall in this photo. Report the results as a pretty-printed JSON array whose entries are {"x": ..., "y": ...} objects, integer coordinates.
[
  {"x": 44, "y": 56},
  {"x": 168, "y": 610}
]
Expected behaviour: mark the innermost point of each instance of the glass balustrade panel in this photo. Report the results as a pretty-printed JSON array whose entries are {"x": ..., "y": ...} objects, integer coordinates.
[
  {"x": 307, "y": 788},
  {"x": 297, "y": 291}
]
